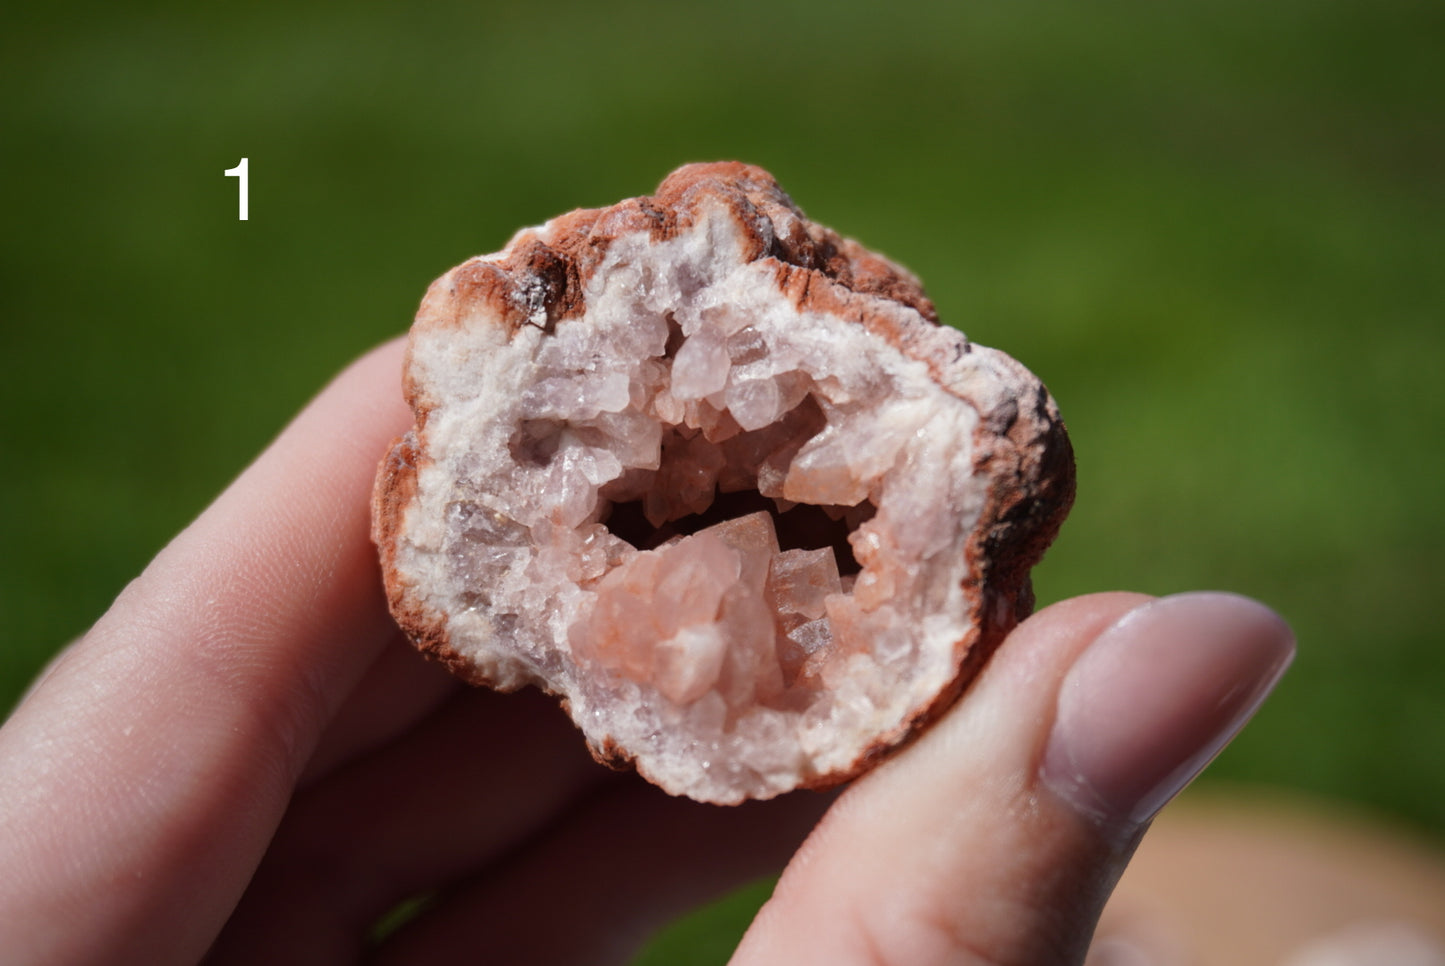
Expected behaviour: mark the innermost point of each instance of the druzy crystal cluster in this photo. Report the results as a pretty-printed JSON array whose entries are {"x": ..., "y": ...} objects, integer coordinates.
[{"x": 717, "y": 478}]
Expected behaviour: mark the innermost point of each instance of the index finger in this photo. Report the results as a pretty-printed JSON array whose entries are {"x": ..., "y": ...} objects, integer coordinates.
[{"x": 143, "y": 776}]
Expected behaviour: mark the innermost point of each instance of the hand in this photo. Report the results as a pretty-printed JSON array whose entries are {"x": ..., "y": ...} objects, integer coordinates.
[{"x": 243, "y": 756}]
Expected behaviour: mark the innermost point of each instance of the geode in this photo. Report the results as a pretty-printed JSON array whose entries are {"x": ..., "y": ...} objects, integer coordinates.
[{"x": 720, "y": 480}]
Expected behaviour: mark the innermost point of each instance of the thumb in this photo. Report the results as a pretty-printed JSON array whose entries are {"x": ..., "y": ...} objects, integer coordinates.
[{"x": 997, "y": 837}]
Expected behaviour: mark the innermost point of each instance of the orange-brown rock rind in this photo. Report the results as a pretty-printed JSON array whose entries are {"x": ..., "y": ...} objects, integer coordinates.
[{"x": 427, "y": 630}]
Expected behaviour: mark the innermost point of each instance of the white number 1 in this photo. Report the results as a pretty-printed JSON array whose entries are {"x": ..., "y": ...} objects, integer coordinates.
[{"x": 239, "y": 173}]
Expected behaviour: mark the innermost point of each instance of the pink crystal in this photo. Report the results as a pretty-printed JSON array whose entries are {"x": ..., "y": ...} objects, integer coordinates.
[
  {"x": 801, "y": 579},
  {"x": 701, "y": 366},
  {"x": 692, "y": 612}
]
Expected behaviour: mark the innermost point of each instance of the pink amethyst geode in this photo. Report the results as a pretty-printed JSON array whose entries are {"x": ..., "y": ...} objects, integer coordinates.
[{"x": 717, "y": 478}]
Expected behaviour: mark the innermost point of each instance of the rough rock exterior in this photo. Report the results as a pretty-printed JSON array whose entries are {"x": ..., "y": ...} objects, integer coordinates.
[{"x": 719, "y": 479}]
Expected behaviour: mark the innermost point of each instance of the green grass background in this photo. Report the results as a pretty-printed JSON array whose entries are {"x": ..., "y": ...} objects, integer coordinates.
[{"x": 1215, "y": 229}]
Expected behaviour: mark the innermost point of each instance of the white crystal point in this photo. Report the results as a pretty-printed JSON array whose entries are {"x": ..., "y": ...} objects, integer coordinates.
[{"x": 716, "y": 477}]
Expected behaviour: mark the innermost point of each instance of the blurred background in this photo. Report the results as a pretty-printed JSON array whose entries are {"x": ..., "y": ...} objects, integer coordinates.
[{"x": 1215, "y": 229}]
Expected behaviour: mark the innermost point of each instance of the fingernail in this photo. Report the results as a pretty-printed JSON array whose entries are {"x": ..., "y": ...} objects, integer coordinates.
[{"x": 1155, "y": 698}]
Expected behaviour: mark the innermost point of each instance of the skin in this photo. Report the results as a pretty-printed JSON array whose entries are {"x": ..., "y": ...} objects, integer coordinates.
[{"x": 244, "y": 762}]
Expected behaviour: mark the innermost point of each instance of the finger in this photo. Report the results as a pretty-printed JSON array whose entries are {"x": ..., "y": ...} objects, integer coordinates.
[
  {"x": 601, "y": 883},
  {"x": 477, "y": 778},
  {"x": 142, "y": 778},
  {"x": 996, "y": 838},
  {"x": 399, "y": 689}
]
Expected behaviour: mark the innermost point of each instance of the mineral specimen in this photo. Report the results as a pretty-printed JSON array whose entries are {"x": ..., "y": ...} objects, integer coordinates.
[{"x": 719, "y": 479}]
